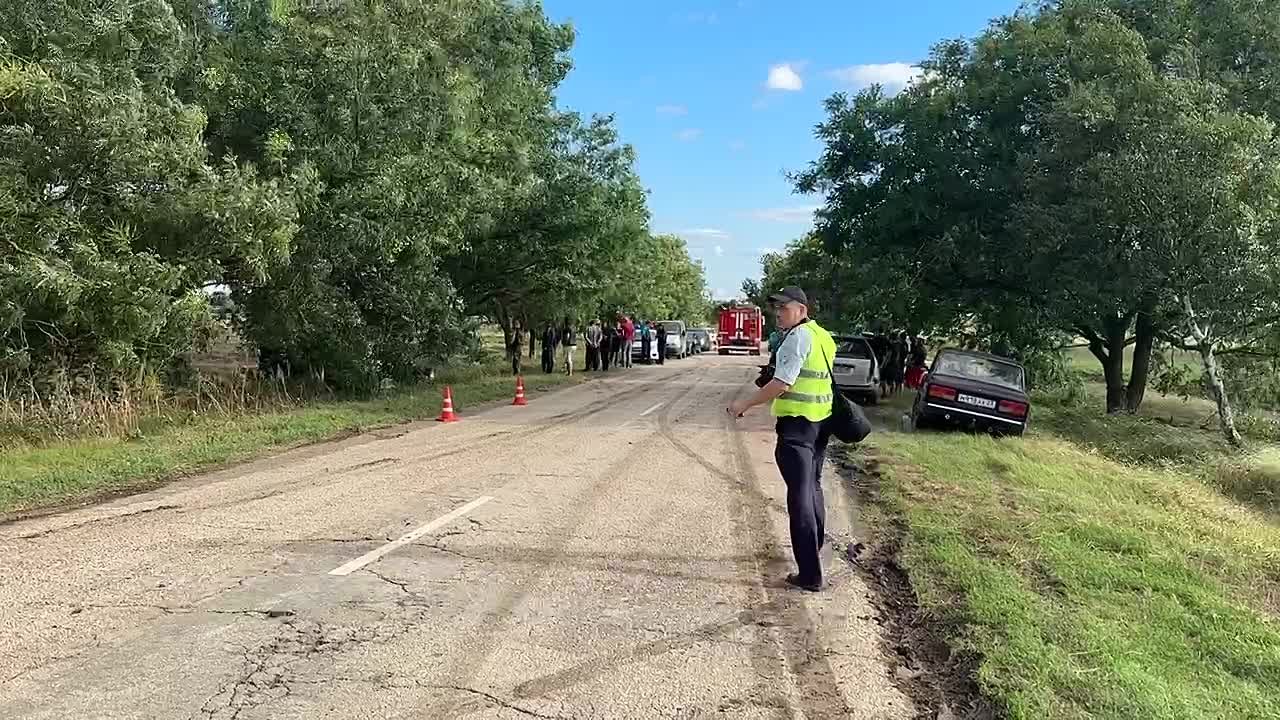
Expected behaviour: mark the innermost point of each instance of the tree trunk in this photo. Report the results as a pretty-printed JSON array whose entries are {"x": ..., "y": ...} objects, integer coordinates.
[
  {"x": 1226, "y": 416},
  {"x": 1112, "y": 358},
  {"x": 508, "y": 331},
  {"x": 1144, "y": 339}
]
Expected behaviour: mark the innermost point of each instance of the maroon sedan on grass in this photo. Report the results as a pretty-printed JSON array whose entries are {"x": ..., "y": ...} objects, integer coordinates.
[{"x": 973, "y": 390}]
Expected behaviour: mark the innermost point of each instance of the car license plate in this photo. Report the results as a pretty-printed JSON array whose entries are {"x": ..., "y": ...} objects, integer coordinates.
[{"x": 980, "y": 402}]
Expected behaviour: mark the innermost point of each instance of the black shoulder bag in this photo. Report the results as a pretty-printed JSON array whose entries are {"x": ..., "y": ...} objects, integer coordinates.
[{"x": 847, "y": 422}]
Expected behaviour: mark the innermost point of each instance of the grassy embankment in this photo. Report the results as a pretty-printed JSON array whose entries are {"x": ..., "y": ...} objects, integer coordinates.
[
  {"x": 1100, "y": 567},
  {"x": 163, "y": 444}
]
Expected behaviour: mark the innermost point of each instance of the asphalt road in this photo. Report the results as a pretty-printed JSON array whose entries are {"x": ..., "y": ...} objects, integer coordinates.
[{"x": 614, "y": 550}]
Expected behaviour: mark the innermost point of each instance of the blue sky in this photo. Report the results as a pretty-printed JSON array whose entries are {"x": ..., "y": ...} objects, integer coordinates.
[{"x": 720, "y": 98}]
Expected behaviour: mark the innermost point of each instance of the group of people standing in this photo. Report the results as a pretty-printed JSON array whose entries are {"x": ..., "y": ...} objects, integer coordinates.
[
  {"x": 901, "y": 358},
  {"x": 608, "y": 344}
]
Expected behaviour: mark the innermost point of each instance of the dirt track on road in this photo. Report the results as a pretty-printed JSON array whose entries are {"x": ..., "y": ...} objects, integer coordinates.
[{"x": 625, "y": 564}]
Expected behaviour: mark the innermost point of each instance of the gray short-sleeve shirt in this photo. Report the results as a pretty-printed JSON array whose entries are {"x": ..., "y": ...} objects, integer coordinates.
[{"x": 791, "y": 356}]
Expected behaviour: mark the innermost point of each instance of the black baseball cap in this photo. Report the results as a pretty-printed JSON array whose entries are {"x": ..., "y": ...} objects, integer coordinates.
[{"x": 789, "y": 295}]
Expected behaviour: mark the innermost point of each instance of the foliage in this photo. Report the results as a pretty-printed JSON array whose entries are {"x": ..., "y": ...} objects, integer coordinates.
[
  {"x": 370, "y": 180},
  {"x": 1062, "y": 174},
  {"x": 400, "y": 125},
  {"x": 113, "y": 214},
  {"x": 658, "y": 280}
]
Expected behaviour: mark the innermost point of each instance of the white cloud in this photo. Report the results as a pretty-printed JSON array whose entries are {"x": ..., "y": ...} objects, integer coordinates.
[
  {"x": 785, "y": 76},
  {"x": 719, "y": 251},
  {"x": 800, "y": 214},
  {"x": 712, "y": 233},
  {"x": 689, "y": 134},
  {"x": 673, "y": 110},
  {"x": 893, "y": 76},
  {"x": 737, "y": 146},
  {"x": 698, "y": 17}
]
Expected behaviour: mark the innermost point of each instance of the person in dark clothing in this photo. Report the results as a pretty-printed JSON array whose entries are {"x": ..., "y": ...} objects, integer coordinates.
[
  {"x": 662, "y": 344},
  {"x": 646, "y": 342},
  {"x": 902, "y": 354},
  {"x": 549, "y": 349},
  {"x": 515, "y": 348},
  {"x": 606, "y": 347},
  {"x": 919, "y": 353},
  {"x": 595, "y": 335}
]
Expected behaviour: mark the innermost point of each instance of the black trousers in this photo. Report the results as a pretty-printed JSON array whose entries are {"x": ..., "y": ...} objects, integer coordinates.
[
  {"x": 548, "y": 360},
  {"x": 800, "y": 453},
  {"x": 593, "y": 358}
]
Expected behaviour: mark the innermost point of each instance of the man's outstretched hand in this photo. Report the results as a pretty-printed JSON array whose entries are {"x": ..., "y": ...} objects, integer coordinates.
[{"x": 737, "y": 408}]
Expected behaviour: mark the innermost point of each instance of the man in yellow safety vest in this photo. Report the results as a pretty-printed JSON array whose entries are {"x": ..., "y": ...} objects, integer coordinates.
[{"x": 800, "y": 395}]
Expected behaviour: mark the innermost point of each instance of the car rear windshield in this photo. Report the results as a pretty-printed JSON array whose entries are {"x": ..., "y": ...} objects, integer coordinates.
[
  {"x": 672, "y": 327},
  {"x": 981, "y": 369},
  {"x": 856, "y": 348}
]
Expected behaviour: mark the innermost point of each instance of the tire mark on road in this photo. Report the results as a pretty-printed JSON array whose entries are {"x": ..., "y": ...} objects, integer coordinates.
[
  {"x": 466, "y": 444},
  {"x": 488, "y": 640},
  {"x": 795, "y": 638}
]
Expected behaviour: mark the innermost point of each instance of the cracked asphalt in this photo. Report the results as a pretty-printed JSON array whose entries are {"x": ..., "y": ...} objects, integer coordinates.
[{"x": 629, "y": 565}]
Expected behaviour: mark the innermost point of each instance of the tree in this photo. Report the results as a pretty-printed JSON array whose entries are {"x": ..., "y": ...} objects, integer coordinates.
[
  {"x": 1020, "y": 174},
  {"x": 113, "y": 214},
  {"x": 554, "y": 249},
  {"x": 404, "y": 128}
]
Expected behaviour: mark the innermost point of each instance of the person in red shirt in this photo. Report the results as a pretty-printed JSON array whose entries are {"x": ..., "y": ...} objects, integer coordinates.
[{"x": 628, "y": 337}]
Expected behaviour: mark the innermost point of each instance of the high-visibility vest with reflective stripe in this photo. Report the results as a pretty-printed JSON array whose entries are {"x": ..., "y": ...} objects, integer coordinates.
[{"x": 810, "y": 396}]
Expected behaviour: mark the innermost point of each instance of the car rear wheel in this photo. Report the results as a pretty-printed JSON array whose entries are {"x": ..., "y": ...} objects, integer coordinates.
[{"x": 724, "y": 352}]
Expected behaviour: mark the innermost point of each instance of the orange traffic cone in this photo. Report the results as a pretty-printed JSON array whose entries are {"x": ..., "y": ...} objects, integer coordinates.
[
  {"x": 520, "y": 391},
  {"x": 446, "y": 412}
]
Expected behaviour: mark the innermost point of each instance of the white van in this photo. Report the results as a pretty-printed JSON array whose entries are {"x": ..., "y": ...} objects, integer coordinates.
[{"x": 677, "y": 347}]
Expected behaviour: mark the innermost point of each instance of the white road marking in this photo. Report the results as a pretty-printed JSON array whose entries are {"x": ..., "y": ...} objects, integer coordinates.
[
  {"x": 439, "y": 522},
  {"x": 650, "y": 410}
]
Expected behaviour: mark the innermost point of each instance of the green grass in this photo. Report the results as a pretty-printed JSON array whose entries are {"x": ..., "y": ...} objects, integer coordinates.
[
  {"x": 1082, "y": 360},
  {"x": 32, "y": 476},
  {"x": 1091, "y": 587},
  {"x": 1173, "y": 433}
]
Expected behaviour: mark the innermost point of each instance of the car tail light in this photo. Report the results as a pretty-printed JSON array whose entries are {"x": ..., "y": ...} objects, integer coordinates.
[
  {"x": 942, "y": 391},
  {"x": 1009, "y": 407}
]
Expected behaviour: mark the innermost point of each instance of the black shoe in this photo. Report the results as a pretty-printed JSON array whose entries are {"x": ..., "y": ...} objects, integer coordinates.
[{"x": 809, "y": 586}]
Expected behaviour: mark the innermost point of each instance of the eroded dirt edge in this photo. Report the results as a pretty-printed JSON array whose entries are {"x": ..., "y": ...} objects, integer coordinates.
[{"x": 922, "y": 664}]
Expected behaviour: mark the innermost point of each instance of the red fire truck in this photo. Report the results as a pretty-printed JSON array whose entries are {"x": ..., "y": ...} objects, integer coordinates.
[{"x": 741, "y": 329}]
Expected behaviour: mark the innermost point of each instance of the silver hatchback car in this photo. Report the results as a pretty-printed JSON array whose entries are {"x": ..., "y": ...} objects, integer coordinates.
[{"x": 857, "y": 374}]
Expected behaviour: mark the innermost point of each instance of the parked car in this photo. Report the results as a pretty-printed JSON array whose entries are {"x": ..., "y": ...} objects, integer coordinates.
[
  {"x": 974, "y": 390},
  {"x": 699, "y": 340},
  {"x": 857, "y": 373},
  {"x": 676, "y": 341},
  {"x": 637, "y": 350}
]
